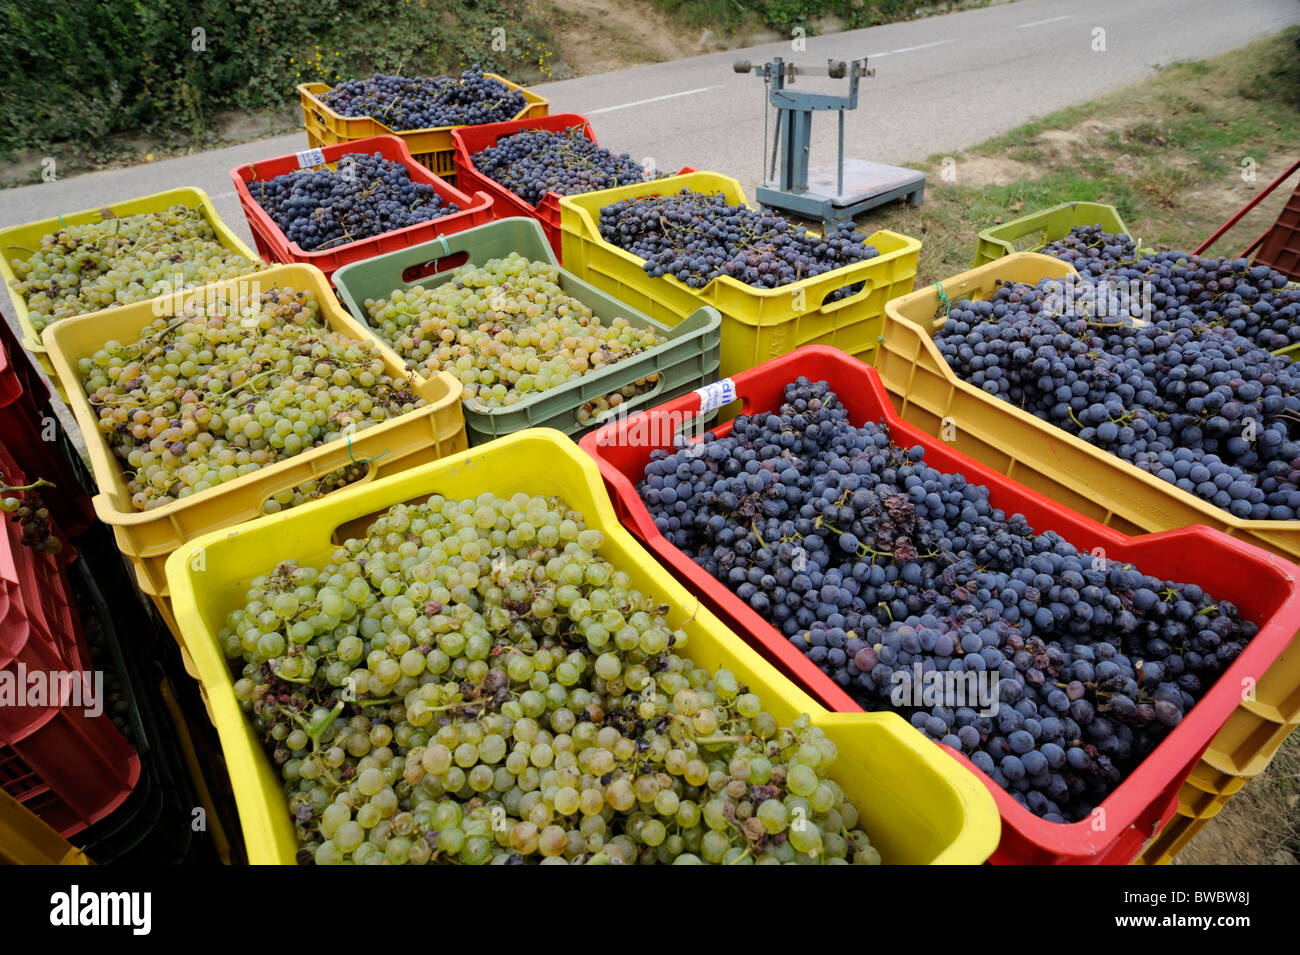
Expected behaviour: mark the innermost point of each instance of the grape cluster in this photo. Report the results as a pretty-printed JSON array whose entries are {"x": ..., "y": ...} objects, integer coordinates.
[
  {"x": 26, "y": 509},
  {"x": 365, "y": 196},
  {"x": 422, "y": 102},
  {"x": 507, "y": 331},
  {"x": 1253, "y": 300},
  {"x": 696, "y": 237},
  {"x": 533, "y": 162},
  {"x": 472, "y": 683},
  {"x": 214, "y": 393},
  {"x": 1195, "y": 404},
  {"x": 1093, "y": 250},
  {"x": 84, "y": 268},
  {"x": 875, "y": 565}
]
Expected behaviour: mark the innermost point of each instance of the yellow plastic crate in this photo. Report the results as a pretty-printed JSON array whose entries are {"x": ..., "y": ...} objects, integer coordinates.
[
  {"x": 432, "y": 147},
  {"x": 916, "y": 803},
  {"x": 16, "y": 241},
  {"x": 757, "y": 323},
  {"x": 148, "y": 537},
  {"x": 1199, "y": 804},
  {"x": 1171, "y": 840},
  {"x": 1209, "y": 779},
  {"x": 26, "y": 839},
  {"x": 1199, "y": 801},
  {"x": 1080, "y": 476},
  {"x": 1192, "y": 816}
]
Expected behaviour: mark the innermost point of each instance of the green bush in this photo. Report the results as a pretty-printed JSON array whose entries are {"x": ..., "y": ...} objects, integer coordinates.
[
  {"x": 87, "y": 68},
  {"x": 785, "y": 15}
]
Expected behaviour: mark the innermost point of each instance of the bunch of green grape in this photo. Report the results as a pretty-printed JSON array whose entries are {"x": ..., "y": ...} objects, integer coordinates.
[
  {"x": 227, "y": 387},
  {"x": 472, "y": 683},
  {"x": 85, "y": 268},
  {"x": 505, "y": 329}
]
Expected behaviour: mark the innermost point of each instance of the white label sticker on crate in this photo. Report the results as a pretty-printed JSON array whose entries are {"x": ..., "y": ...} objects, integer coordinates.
[
  {"x": 716, "y": 395},
  {"x": 311, "y": 157}
]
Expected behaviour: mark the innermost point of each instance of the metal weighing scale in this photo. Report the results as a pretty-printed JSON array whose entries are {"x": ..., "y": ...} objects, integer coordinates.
[{"x": 831, "y": 193}]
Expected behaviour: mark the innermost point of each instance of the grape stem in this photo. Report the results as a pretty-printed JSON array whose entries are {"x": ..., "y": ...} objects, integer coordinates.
[
  {"x": 713, "y": 740},
  {"x": 39, "y": 482},
  {"x": 315, "y": 734}
]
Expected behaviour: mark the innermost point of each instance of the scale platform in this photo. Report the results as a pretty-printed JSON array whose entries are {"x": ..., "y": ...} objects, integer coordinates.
[{"x": 866, "y": 185}]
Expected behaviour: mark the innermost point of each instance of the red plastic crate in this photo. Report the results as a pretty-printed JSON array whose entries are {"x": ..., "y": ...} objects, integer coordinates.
[
  {"x": 1262, "y": 585},
  {"x": 274, "y": 246},
  {"x": 68, "y": 767},
  {"x": 19, "y": 379},
  {"x": 469, "y": 140},
  {"x": 1281, "y": 246},
  {"x": 36, "y": 607},
  {"x": 26, "y": 422}
]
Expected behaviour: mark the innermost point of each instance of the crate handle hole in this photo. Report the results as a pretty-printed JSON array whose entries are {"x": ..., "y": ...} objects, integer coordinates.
[
  {"x": 357, "y": 526},
  {"x": 413, "y": 273},
  {"x": 371, "y": 471},
  {"x": 625, "y": 408},
  {"x": 849, "y": 292}
]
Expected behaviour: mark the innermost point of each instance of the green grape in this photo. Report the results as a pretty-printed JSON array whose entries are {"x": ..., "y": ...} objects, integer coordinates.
[
  {"x": 117, "y": 261},
  {"x": 508, "y": 331},
  {"x": 452, "y": 708},
  {"x": 183, "y": 427}
]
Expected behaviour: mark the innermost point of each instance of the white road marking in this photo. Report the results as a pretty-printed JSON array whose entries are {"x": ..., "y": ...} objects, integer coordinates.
[
  {"x": 652, "y": 99},
  {"x": 1039, "y": 23},
  {"x": 907, "y": 49}
]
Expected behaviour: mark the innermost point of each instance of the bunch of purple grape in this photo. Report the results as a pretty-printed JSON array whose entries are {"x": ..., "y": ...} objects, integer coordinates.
[
  {"x": 696, "y": 237},
  {"x": 877, "y": 566},
  {"x": 533, "y": 162},
  {"x": 423, "y": 102},
  {"x": 367, "y": 195}
]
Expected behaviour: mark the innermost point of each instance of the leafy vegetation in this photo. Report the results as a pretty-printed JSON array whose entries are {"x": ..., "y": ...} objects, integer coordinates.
[
  {"x": 786, "y": 15},
  {"x": 86, "y": 70}
]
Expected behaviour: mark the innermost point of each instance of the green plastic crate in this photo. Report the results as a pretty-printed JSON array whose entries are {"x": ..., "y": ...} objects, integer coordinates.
[
  {"x": 1030, "y": 233},
  {"x": 687, "y": 360}
]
